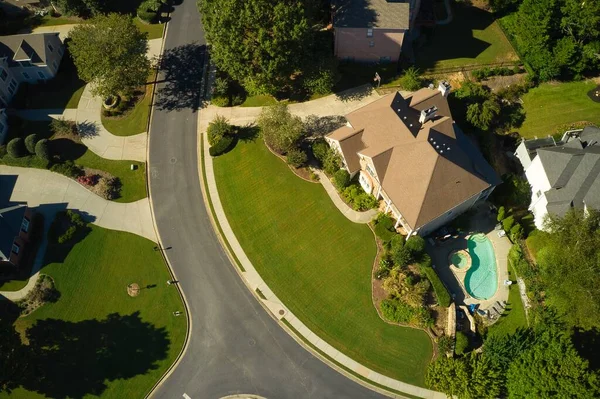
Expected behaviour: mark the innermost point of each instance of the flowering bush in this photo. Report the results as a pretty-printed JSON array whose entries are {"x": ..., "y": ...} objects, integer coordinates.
[{"x": 88, "y": 180}]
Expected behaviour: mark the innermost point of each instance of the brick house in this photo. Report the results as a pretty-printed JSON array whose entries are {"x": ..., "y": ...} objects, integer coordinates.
[
  {"x": 15, "y": 229},
  {"x": 371, "y": 30},
  {"x": 409, "y": 153}
]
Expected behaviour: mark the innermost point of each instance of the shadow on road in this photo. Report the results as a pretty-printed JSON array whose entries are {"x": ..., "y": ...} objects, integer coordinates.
[{"x": 181, "y": 75}]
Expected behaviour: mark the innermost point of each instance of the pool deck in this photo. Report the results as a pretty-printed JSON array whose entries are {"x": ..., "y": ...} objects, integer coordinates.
[{"x": 482, "y": 222}]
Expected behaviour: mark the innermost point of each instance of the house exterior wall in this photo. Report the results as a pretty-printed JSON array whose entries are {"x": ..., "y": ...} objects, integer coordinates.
[
  {"x": 523, "y": 154},
  {"x": 538, "y": 180},
  {"x": 5, "y": 94},
  {"x": 353, "y": 44},
  {"x": 22, "y": 240},
  {"x": 371, "y": 178},
  {"x": 3, "y": 126}
]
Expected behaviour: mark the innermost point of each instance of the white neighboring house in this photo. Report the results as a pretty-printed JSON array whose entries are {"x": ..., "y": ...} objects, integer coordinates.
[
  {"x": 30, "y": 58},
  {"x": 562, "y": 175},
  {"x": 408, "y": 152}
]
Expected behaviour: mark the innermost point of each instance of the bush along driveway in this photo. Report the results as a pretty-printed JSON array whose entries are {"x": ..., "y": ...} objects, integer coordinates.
[{"x": 316, "y": 261}]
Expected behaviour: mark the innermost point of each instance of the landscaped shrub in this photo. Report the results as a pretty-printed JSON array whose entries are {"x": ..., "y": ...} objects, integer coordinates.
[
  {"x": 30, "y": 142},
  {"x": 341, "y": 179},
  {"x": 16, "y": 148},
  {"x": 462, "y": 343},
  {"x": 360, "y": 201},
  {"x": 279, "y": 128},
  {"x": 516, "y": 232},
  {"x": 332, "y": 162},
  {"x": 88, "y": 180},
  {"x": 501, "y": 214},
  {"x": 68, "y": 168},
  {"x": 66, "y": 225},
  {"x": 296, "y": 157},
  {"x": 484, "y": 73},
  {"x": 108, "y": 187},
  {"x": 416, "y": 245},
  {"x": 402, "y": 257},
  {"x": 445, "y": 344},
  {"x": 384, "y": 227},
  {"x": 62, "y": 126},
  {"x": 411, "y": 79},
  {"x": 400, "y": 312},
  {"x": 43, "y": 292},
  {"x": 441, "y": 293},
  {"x": 217, "y": 129},
  {"x": 42, "y": 149},
  {"x": 222, "y": 146},
  {"x": 320, "y": 150},
  {"x": 67, "y": 235},
  {"x": 508, "y": 223},
  {"x": 220, "y": 101},
  {"x": 147, "y": 11}
]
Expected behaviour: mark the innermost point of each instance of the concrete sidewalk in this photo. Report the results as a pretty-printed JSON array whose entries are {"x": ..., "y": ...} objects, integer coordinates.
[
  {"x": 253, "y": 280},
  {"x": 351, "y": 214}
]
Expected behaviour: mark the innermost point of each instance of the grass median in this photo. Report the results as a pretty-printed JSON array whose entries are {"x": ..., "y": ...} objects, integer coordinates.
[{"x": 315, "y": 260}]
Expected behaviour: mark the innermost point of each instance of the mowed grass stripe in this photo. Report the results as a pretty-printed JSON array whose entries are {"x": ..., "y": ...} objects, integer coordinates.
[
  {"x": 315, "y": 260},
  {"x": 553, "y": 104}
]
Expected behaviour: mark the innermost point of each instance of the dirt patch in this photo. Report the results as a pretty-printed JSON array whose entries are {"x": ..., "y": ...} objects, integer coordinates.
[
  {"x": 378, "y": 293},
  {"x": 133, "y": 290},
  {"x": 303, "y": 172},
  {"x": 496, "y": 83}
]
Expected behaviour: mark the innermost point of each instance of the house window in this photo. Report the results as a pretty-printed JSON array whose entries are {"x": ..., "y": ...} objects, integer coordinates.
[
  {"x": 371, "y": 172},
  {"x": 12, "y": 86},
  {"x": 3, "y": 74},
  {"x": 385, "y": 60},
  {"x": 370, "y": 32},
  {"x": 26, "y": 75},
  {"x": 15, "y": 248},
  {"x": 50, "y": 47},
  {"x": 364, "y": 182},
  {"x": 25, "y": 225},
  {"x": 41, "y": 75},
  {"x": 539, "y": 193},
  {"x": 25, "y": 64},
  {"x": 371, "y": 43},
  {"x": 55, "y": 65}
]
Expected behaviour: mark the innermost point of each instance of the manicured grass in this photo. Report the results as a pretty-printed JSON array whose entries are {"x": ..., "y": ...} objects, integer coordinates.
[
  {"x": 514, "y": 315},
  {"x": 315, "y": 260},
  {"x": 135, "y": 121},
  {"x": 13, "y": 285},
  {"x": 259, "y": 101},
  {"x": 473, "y": 37},
  {"x": 92, "y": 281},
  {"x": 62, "y": 91},
  {"x": 551, "y": 106},
  {"x": 48, "y": 20},
  {"x": 134, "y": 181},
  {"x": 154, "y": 31},
  {"x": 535, "y": 242}
]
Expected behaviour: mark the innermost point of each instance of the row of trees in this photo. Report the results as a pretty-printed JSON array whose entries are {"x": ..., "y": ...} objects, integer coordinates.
[
  {"x": 557, "y": 38},
  {"x": 265, "y": 44},
  {"x": 538, "y": 363}
]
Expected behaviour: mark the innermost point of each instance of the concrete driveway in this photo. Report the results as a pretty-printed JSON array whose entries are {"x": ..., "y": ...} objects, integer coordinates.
[{"x": 41, "y": 187}]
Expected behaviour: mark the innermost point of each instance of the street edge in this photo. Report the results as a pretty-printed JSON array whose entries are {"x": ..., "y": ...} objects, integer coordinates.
[
  {"x": 188, "y": 317},
  {"x": 295, "y": 335}
]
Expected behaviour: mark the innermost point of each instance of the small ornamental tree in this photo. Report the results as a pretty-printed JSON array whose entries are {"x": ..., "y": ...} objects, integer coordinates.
[
  {"x": 42, "y": 150},
  {"x": 16, "y": 148},
  {"x": 416, "y": 245},
  {"x": 501, "y": 214},
  {"x": 411, "y": 79},
  {"x": 296, "y": 157},
  {"x": 332, "y": 162},
  {"x": 462, "y": 343},
  {"x": 217, "y": 129},
  {"x": 280, "y": 129},
  {"x": 341, "y": 179},
  {"x": 30, "y": 142}
]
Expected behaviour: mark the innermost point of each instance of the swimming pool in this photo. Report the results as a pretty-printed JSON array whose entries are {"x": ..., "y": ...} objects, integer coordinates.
[
  {"x": 459, "y": 260},
  {"x": 481, "y": 280}
]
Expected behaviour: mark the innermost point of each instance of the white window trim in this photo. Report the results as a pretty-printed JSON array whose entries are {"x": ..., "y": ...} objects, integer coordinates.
[
  {"x": 50, "y": 47},
  {"x": 26, "y": 75},
  {"x": 41, "y": 75},
  {"x": 25, "y": 225},
  {"x": 365, "y": 184},
  {"x": 369, "y": 32},
  {"x": 16, "y": 248}
]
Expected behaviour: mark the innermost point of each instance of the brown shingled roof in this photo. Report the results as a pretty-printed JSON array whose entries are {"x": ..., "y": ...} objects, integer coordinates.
[{"x": 421, "y": 167}]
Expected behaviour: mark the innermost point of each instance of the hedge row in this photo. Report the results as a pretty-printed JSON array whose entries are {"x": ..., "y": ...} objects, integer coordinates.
[
  {"x": 441, "y": 293},
  {"x": 222, "y": 146}
]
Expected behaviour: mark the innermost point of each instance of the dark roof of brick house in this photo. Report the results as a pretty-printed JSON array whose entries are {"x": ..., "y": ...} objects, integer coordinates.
[
  {"x": 10, "y": 225},
  {"x": 387, "y": 14}
]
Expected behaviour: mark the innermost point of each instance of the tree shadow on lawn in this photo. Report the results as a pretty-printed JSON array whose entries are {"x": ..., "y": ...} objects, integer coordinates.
[
  {"x": 74, "y": 359},
  {"x": 456, "y": 39},
  {"x": 180, "y": 70},
  {"x": 67, "y": 149}
]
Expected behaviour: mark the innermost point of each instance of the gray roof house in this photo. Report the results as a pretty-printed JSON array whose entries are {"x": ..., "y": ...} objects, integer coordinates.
[
  {"x": 565, "y": 175},
  {"x": 30, "y": 58},
  {"x": 371, "y": 30}
]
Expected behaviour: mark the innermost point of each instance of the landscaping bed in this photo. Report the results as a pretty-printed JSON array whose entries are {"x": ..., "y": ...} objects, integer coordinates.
[
  {"x": 131, "y": 114},
  {"x": 315, "y": 260},
  {"x": 103, "y": 342}
]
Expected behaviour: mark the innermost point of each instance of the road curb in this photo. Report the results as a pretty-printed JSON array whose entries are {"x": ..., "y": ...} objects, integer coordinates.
[{"x": 188, "y": 317}]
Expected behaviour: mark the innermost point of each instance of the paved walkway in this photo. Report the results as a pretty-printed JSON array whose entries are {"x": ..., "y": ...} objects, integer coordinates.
[
  {"x": 351, "y": 214},
  {"x": 50, "y": 193},
  {"x": 279, "y": 310},
  {"x": 62, "y": 30}
]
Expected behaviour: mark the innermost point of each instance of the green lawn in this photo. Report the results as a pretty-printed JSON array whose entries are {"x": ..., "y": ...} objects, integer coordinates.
[
  {"x": 259, "y": 101},
  {"x": 315, "y": 260},
  {"x": 48, "y": 20},
  {"x": 155, "y": 31},
  {"x": 551, "y": 107},
  {"x": 472, "y": 38},
  {"x": 514, "y": 315},
  {"x": 134, "y": 121},
  {"x": 121, "y": 357}
]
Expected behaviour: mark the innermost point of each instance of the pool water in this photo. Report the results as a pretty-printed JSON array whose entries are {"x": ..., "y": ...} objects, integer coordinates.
[
  {"x": 459, "y": 260},
  {"x": 481, "y": 280}
]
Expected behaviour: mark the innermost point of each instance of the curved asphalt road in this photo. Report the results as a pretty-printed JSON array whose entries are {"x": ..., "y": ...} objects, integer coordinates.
[{"x": 235, "y": 347}]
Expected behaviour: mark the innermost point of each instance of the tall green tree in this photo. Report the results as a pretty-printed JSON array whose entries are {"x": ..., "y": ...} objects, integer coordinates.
[
  {"x": 570, "y": 266},
  {"x": 110, "y": 53},
  {"x": 259, "y": 43}
]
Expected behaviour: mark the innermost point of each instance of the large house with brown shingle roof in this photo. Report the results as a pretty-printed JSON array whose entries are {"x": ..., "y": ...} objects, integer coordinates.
[{"x": 409, "y": 153}]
